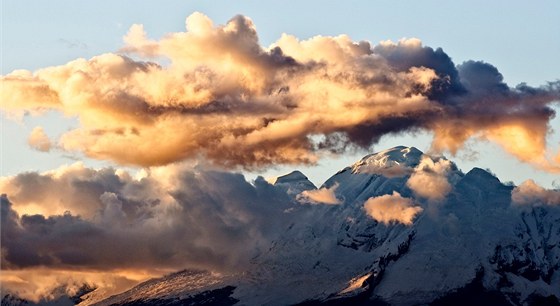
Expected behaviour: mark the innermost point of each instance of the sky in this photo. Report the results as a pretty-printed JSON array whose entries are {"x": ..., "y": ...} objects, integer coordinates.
[
  {"x": 166, "y": 93},
  {"x": 518, "y": 40}
]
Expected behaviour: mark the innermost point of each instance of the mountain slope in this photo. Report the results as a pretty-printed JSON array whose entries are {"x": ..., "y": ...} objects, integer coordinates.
[{"x": 468, "y": 241}]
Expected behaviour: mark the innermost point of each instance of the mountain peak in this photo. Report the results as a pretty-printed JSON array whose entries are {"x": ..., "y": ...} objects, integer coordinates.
[
  {"x": 295, "y": 182},
  {"x": 481, "y": 173},
  {"x": 485, "y": 179},
  {"x": 293, "y": 176},
  {"x": 399, "y": 156}
]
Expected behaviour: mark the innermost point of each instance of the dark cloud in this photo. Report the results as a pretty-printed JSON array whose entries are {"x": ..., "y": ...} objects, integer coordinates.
[
  {"x": 206, "y": 219},
  {"x": 410, "y": 54},
  {"x": 482, "y": 77}
]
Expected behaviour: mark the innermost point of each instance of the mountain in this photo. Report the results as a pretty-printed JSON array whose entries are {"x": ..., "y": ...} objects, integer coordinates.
[
  {"x": 410, "y": 229},
  {"x": 294, "y": 183}
]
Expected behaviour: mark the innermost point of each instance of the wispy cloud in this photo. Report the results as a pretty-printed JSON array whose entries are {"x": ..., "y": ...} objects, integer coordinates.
[{"x": 73, "y": 43}]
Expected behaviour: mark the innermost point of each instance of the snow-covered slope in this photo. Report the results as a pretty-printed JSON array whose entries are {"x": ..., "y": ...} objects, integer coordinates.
[
  {"x": 471, "y": 246},
  {"x": 180, "y": 287}
]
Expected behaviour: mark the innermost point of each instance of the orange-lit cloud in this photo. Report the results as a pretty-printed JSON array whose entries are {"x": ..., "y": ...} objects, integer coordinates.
[
  {"x": 320, "y": 196},
  {"x": 392, "y": 208},
  {"x": 429, "y": 179},
  {"x": 38, "y": 140},
  {"x": 529, "y": 193},
  {"x": 48, "y": 284},
  {"x": 217, "y": 94}
]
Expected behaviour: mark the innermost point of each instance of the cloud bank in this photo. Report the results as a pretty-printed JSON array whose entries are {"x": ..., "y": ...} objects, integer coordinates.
[
  {"x": 76, "y": 225},
  {"x": 223, "y": 97},
  {"x": 79, "y": 218},
  {"x": 43, "y": 285},
  {"x": 392, "y": 208}
]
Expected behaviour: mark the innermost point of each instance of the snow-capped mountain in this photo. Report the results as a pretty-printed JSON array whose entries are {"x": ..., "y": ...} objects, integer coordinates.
[{"x": 410, "y": 229}]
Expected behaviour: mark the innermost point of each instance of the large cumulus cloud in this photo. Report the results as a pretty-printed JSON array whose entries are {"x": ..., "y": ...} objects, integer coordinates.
[{"x": 216, "y": 93}]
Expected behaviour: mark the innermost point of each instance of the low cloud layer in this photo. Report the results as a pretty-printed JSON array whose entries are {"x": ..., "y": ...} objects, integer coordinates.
[
  {"x": 79, "y": 218},
  {"x": 223, "y": 97},
  {"x": 530, "y": 193},
  {"x": 45, "y": 285},
  {"x": 392, "y": 208},
  {"x": 76, "y": 225},
  {"x": 320, "y": 196},
  {"x": 429, "y": 179}
]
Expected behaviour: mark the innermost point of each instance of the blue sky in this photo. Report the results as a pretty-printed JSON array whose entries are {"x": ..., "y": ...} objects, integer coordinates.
[{"x": 519, "y": 37}]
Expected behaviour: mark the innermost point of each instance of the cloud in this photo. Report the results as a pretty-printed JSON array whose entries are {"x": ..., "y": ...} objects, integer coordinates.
[
  {"x": 168, "y": 220},
  {"x": 72, "y": 43},
  {"x": 217, "y": 94},
  {"x": 529, "y": 193},
  {"x": 165, "y": 219},
  {"x": 429, "y": 179},
  {"x": 38, "y": 140},
  {"x": 320, "y": 196},
  {"x": 45, "y": 285},
  {"x": 392, "y": 208},
  {"x": 72, "y": 188}
]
